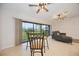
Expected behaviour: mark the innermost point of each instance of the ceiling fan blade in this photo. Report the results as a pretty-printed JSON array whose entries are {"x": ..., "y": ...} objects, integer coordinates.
[
  {"x": 32, "y": 5},
  {"x": 49, "y": 3},
  {"x": 38, "y": 11},
  {"x": 45, "y": 9}
]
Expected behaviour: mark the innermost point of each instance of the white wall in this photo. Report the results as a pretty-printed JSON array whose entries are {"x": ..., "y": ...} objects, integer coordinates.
[
  {"x": 0, "y": 27},
  {"x": 8, "y": 24},
  {"x": 0, "y": 32},
  {"x": 0, "y": 36},
  {"x": 69, "y": 26}
]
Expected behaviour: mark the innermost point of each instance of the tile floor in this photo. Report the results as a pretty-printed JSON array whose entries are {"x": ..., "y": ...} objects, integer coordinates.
[{"x": 56, "y": 48}]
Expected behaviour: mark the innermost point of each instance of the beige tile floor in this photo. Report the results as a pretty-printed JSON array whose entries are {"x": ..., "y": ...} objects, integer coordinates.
[{"x": 55, "y": 49}]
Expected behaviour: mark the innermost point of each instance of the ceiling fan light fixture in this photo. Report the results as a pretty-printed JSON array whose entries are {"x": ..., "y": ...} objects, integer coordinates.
[
  {"x": 40, "y": 7},
  {"x": 61, "y": 16}
]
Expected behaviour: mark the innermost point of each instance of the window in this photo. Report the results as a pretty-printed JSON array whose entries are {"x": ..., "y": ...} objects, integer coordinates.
[{"x": 33, "y": 27}]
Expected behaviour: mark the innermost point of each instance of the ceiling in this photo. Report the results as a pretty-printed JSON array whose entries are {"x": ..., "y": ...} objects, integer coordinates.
[{"x": 53, "y": 8}]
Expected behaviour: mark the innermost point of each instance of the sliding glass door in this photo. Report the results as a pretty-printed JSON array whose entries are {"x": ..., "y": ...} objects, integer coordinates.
[
  {"x": 26, "y": 27},
  {"x": 33, "y": 27}
]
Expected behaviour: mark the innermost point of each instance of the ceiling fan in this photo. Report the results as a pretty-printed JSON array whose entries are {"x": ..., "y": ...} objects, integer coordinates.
[
  {"x": 41, "y": 6},
  {"x": 61, "y": 16}
]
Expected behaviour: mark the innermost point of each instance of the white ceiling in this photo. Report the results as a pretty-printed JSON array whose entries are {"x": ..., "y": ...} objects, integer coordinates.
[{"x": 53, "y": 8}]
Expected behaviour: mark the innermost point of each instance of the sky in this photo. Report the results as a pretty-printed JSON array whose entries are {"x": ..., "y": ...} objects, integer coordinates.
[{"x": 27, "y": 25}]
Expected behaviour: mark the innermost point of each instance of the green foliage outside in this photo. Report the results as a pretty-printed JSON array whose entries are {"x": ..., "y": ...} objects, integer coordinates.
[{"x": 24, "y": 36}]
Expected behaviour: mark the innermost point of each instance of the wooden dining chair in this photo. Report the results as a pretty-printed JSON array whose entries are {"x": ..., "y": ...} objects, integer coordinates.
[{"x": 36, "y": 43}]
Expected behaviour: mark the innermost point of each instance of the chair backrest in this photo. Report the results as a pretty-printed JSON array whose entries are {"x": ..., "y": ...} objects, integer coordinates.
[{"x": 36, "y": 40}]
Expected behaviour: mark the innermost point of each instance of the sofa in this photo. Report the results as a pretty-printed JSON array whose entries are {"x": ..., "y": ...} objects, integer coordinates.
[{"x": 61, "y": 37}]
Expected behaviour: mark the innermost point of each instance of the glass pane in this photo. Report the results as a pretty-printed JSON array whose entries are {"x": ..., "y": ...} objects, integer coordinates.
[
  {"x": 37, "y": 28},
  {"x": 45, "y": 29},
  {"x": 26, "y": 27}
]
